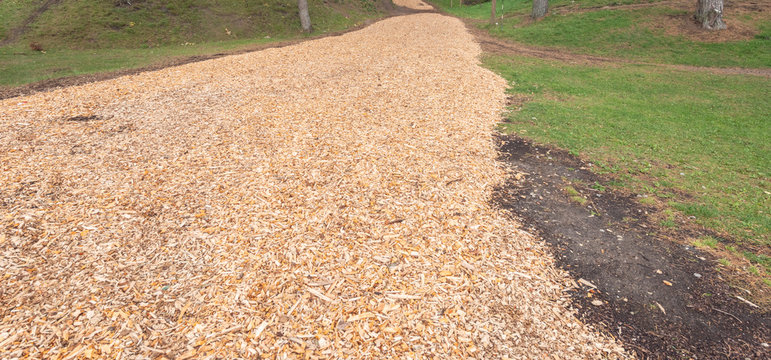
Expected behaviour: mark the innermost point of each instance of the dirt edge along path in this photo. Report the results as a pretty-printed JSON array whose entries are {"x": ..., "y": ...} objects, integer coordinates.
[{"x": 661, "y": 299}]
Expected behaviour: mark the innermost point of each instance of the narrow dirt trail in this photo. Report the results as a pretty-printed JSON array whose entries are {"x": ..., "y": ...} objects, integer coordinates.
[{"x": 326, "y": 199}]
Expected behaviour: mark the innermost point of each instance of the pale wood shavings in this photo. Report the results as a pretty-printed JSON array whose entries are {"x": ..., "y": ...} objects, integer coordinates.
[
  {"x": 324, "y": 200},
  {"x": 413, "y": 4}
]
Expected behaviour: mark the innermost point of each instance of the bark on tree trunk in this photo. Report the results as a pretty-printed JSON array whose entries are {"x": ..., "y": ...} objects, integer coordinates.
[
  {"x": 387, "y": 4},
  {"x": 539, "y": 8},
  {"x": 709, "y": 14},
  {"x": 305, "y": 19},
  {"x": 492, "y": 13}
]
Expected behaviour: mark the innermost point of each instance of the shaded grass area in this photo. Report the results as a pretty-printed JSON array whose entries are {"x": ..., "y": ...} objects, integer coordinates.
[
  {"x": 13, "y": 13},
  {"x": 697, "y": 142},
  {"x": 83, "y": 37},
  {"x": 512, "y": 8},
  {"x": 624, "y": 33},
  {"x": 95, "y": 24},
  {"x": 19, "y": 68}
]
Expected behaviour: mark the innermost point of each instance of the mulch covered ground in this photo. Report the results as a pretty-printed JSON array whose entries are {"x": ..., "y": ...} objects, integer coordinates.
[{"x": 328, "y": 199}]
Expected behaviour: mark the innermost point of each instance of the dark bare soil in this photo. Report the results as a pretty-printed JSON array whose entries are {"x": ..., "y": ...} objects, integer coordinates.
[{"x": 663, "y": 300}]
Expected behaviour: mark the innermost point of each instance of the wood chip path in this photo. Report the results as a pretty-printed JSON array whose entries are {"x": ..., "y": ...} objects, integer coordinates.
[{"x": 324, "y": 200}]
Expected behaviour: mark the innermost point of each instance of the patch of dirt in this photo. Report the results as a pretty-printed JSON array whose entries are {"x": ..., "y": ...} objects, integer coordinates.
[
  {"x": 17, "y": 32},
  {"x": 662, "y": 299}
]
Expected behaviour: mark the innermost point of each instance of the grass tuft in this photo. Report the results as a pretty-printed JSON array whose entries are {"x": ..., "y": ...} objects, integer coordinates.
[
  {"x": 575, "y": 195},
  {"x": 706, "y": 241}
]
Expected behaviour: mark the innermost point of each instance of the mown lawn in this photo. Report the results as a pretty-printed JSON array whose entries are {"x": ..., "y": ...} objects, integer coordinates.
[
  {"x": 633, "y": 34},
  {"x": 660, "y": 131},
  {"x": 692, "y": 141},
  {"x": 21, "y": 66},
  {"x": 89, "y": 36}
]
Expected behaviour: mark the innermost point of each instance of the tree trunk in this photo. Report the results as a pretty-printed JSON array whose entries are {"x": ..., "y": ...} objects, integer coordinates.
[
  {"x": 709, "y": 14},
  {"x": 539, "y": 8},
  {"x": 387, "y": 4},
  {"x": 492, "y": 13},
  {"x": 305, "y": 19}
]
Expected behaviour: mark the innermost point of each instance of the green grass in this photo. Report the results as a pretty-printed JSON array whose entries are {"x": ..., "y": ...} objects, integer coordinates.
[
  {"x": 13, "y": 13},
  {"x": 697, "y": 139},
  {"x": 630, "y": 34},
  {"x": 508, "y": 9},
  {"x": 645, "y": 200},
  {"x": 82, "y": 37},
  {"x": 760, "y": 259},
  {"x": 19, "y": 68},
  {"x": 575, "y": 195},
  {"x": 706, "y": 241},
  {"x": 669, "y": 221},
  {"x": 94, "y": 24},
  {"x": 625, "y": 33}
]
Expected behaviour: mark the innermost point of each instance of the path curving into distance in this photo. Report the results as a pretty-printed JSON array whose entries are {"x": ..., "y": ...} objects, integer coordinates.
[{"x": 327, "y": 199}]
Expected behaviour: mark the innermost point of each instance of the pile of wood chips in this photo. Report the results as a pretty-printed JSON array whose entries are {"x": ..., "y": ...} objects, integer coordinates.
[{"x": 324, "y": 200}]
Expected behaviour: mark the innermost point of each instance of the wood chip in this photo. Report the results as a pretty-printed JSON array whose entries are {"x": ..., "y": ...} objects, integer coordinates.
[
  {"x": 319, "y": 295},
  {"x": 403, "y": 296},
  {"x": 10, "y": 339},
  {"x": 587, "y": 283},
  {"x": 747, "y": 301},
  {"x": 225, "y": 332},
  {"x": 361, "y": 316},
  {"x": 526, "y": 276},
  {"x": 660, "y": 307},
  {"x": 258, "y": 331},
  {"x": 266, "y": 191}
]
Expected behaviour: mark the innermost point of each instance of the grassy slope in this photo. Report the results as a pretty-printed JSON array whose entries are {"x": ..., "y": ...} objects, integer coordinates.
[
  {"x": 13, "y": 12},
  {"x": 86, "y": 36},
  {"x": 696, "y": 142},
  {"x": 631, "y": 33},
  {"x": 700, "y": 133}
]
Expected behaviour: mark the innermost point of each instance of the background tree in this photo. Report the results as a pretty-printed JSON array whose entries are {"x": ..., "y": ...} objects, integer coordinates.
[
  {"x": 709, "y": 14},
  {"x": 387, "y": 4},
  {"x": 492, "y": 13},
  {"x": 539, "y": 8},
  {"x": 305, "y": 19}
]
